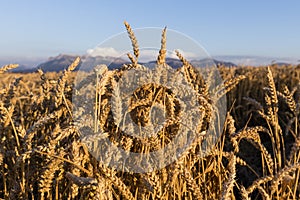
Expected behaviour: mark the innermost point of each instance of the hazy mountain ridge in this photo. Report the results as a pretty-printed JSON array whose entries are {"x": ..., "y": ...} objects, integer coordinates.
[
  {"x": 257, "y": 60},
  {"x": 60, "y": 62},
  {"x": 25, "y": 64}
]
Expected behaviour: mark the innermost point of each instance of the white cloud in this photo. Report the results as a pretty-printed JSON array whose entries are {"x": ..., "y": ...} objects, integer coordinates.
[
  {"x": 187, "y": 55},
  {"x": 148, "y": 55},
  {"x": 145, "y": 54},
  {"x": 100, "y": 51}
]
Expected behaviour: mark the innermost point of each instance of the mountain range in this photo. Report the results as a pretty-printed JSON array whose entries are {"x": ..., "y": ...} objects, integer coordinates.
[{"x": 60, "y": 62}]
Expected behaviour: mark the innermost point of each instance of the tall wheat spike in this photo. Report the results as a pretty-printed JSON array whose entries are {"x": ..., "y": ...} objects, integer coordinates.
[
  {"x": 133, "y": 39},
  {"x": 272, "y": 87},
  {"x": 161, "y": 59}
]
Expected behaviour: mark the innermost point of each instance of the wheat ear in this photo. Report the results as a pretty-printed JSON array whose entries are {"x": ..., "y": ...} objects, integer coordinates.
[
  {"x": 161, "y": 59},
  {"x": 8, "y": 67},
  {"x": 281, "y": 175},
  {"x": 228, "y": 185},
  {"x": 133, "y": 40}
]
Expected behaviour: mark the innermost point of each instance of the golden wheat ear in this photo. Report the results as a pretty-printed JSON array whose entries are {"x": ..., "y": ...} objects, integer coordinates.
[
  {"x": 8, "y": 67},
  {"x": 184, "y": 61},
  {"x": 161, "y": 59},
  {"x": 134, "y": 43}
]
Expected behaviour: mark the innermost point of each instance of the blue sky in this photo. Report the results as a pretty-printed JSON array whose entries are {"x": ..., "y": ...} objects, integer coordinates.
[{"x": 46, "y": 28}]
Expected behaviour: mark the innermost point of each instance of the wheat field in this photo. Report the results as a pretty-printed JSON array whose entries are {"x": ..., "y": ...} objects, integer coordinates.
[{"x": 257, "y": 155}]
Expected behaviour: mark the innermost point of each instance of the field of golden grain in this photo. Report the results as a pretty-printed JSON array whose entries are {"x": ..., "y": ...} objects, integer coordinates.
[{"x": 256, "y": 157}]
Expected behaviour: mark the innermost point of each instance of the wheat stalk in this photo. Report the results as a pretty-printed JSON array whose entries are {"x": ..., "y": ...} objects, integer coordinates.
[{"x": 133, "y": 40}]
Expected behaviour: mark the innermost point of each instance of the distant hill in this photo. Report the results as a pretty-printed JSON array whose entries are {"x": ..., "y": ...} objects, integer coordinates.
[
  {"x": 88, "y": 63},
  {"x": 60, "y": 62},
  {"x": 208, "y": 62},
  {"x": 280, "y": 64},
  {"x": 176, "y": 63},
  {"x": 23, "y": 69},
  {"x": 257, "y": 60},
  {"x": 26, "y": 65},
  {"x": 57, "y": 63},
  {"x": 173, "y": 62}
]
